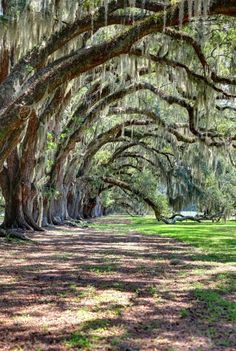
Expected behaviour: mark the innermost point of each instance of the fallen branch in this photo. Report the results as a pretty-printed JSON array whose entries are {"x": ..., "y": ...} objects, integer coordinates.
[{"x": 178, "y": 217}]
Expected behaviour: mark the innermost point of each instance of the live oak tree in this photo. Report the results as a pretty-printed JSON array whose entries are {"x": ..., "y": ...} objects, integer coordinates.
[{"x": 80, "y": 76}]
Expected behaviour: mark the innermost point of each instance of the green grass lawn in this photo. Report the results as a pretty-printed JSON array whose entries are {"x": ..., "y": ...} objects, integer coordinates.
[{"x": 217, "y": 241}]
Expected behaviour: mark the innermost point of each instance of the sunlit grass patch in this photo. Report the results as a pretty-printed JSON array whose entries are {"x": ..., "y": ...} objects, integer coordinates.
[
  {"x": 107, "y": 304},
  {"x": 88, "y": 292},
  {"x": 90, "y": 333},
  {"x": 78, "y": 293},
  {"x": 82, "y": 342},
  {"x": 226, "y": 282},
  {"x": 112, "y": 296},
  {"x": 45, "y": 327},
  {"x": 24, "y": 318},
  {"x": 217, "y": 241},
  {"x": 97, "y": 321},
  {"x": 100, "y": 269},
  {"x": 215, "y": 307},
  {"x": 97, "y": 325},
  {"x": 84, "y": 314}
]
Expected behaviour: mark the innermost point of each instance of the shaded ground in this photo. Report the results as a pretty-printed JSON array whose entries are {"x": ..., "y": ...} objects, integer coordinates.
[{"x": 84, "y": 289}]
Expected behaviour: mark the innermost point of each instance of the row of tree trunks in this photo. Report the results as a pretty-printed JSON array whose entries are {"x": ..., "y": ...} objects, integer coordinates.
[{"x": 26, "y": 209}]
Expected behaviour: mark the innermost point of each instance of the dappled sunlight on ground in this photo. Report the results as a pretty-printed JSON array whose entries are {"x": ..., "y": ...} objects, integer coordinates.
[{"x": 93, "y": 289}]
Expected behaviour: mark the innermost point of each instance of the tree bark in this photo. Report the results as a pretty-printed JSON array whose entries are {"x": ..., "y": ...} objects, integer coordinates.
[
  {"x": 18, "y": 197},
  {"x": 17, "y": 184}
]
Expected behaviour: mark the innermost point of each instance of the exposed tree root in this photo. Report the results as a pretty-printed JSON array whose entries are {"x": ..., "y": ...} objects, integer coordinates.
[
  {"x": 19, "y": 234},
  {"x": 76, "y": 223}
]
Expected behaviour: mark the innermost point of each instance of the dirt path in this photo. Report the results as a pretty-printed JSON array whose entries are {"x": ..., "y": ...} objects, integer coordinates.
[{"x": 81, "y": 289}]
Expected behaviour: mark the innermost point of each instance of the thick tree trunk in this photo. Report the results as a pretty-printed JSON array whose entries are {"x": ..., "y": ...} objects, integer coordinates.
[
  {"x": 18, "y": 206},
  {"x": 89, "y": 207},
  {"x": 55, "y": 207},
  {"x": 4, "y": 67},
  {"x": 13, "y": 217},
  {"x": 19, "y": 194},
  {"x": 98, "y": 210},
  {"x": 74, "y": 198},
  {"x": 59, "y": 208}
]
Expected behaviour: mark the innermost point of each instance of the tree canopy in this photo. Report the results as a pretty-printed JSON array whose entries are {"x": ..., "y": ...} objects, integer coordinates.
[{"x": 116, "y": 104}]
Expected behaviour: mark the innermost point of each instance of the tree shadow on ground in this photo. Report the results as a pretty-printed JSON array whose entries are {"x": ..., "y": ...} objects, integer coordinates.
[{"x": 84, "y": 289}]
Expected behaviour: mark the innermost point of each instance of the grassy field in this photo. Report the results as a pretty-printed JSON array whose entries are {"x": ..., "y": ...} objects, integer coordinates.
[{"x": 217, "y": 241}]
